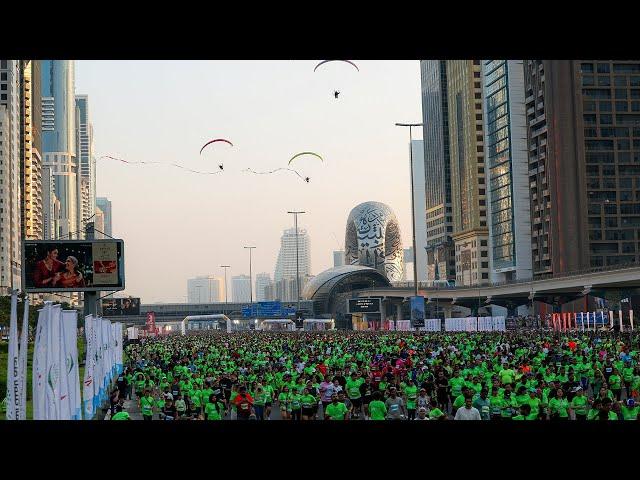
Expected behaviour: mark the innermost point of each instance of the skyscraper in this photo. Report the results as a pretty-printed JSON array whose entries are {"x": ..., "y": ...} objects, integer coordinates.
[
  {"x": 105, "y": 205},
  {"x": 31, "y": 146},
  {"x": 99, "y": 223},
  {"x": 286, "y": 262},
  {"x": 241, "y": 288},
  {"x": 507, "y": 168},
  {"x": 583, "y": 121},
  {"x": 263, "y": 280},
  {"x": 86, "y": 158},
  {"x": 205, "y": 289},
  {"x": 59, "y": 141},
  {"x": 11, "y": 157},
  {"x": 440, "y": 261},
  {"x": 468, "y": 188}
]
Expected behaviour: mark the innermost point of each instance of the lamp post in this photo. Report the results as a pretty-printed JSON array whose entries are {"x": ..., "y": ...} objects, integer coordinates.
[
  {"x": 413, "y": 211},
  {"x": 250, "y": 279},
  {"x": 295, "y": 217},
  {"x": 225, "y": 286}
]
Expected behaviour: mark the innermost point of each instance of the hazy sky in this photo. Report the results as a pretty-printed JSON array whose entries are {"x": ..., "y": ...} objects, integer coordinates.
[{"x": 177, "y": 225}]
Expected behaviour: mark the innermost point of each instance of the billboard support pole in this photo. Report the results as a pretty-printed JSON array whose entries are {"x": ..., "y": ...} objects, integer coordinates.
[{"x": 90, "y": 298}]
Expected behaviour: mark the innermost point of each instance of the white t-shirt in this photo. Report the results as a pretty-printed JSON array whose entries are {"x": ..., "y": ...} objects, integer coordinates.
[{"x": 465, "y": 413}]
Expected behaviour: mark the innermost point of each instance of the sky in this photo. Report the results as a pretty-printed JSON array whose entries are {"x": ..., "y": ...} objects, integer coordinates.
[{"x": 177, "y": 225}]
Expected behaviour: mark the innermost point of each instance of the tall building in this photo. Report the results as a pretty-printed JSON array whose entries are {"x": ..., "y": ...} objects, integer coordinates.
[
  {"x": 440, "y": 263},
  {"x": 241, "y": 288},
  {"x": 50, "y": 205},
  {"x": 99, "y": 223},
  {"x": 31, "y": 146},
  {"x": 420, "y": 213},
  {"x": 468, "y": 188},
  {"x": 286, "y": 262},
  {"x": 59, "y": 141},
  {"x": 263, "y": 280},
  {"x": 583, "y": 121},
  {"x": 285, "y": 290},
  {"x": 507, "y": 168},
  {"x": 105, "y": 205},
  {"x": 338, "y": 258},
  {"x": 86, "y": 158},
  {"x": 11, "y": 159},
  {"x": 205, "y": 289}
]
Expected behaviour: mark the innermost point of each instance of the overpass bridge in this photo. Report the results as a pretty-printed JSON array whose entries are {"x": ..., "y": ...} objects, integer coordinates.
[{"x": 556, "y": 289}]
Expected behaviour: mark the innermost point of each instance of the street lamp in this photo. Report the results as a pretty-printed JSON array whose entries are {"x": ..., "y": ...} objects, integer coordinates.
[
  {"x": 413, "y": 211},
  {"x": 295, "y": 216},
  {"x": 225, "y": 286},
  {"x": 250, "y": 279}
]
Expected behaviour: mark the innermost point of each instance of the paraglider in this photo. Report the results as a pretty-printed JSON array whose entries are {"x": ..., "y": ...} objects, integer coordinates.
[
  {"x": 214, "y": 141},
  {"x": 305, "y": 153},
  {"x": 327, "y": 61}
]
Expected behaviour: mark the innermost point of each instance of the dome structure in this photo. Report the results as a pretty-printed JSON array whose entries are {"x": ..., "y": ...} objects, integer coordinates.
[
  {"x": 373, "y": 239},
  {"x": 330, "y": 289}
]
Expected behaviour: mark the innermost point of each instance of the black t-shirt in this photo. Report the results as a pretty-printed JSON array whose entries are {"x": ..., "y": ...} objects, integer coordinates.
[
  {"x": 169, "y": 411},
  {"x": 366, "y": 389}
]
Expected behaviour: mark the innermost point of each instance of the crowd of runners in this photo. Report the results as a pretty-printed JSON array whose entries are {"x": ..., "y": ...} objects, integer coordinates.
[{"x": 355, "y": 375}]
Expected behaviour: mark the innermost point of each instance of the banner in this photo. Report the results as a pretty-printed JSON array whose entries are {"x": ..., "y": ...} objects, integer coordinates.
[
  {"x": 22, "y": 366},
  {"x": 432, "y": 325},
  {"x": 70, "y": 325},
  {"x": 52, "y": 368},
  {"x": 13, "y": 361},
  {"x": 417, "y": 311},
  {"x": 88, "y": 383},
  {"x": 39, "y": 374}
]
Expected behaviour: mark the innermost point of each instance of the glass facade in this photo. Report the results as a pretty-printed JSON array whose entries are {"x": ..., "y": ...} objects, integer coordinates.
[{"x": 498, "y": 151}]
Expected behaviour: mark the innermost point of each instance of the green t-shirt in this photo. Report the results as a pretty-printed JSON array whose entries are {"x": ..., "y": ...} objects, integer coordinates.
[
  {"x": 336, "y": 411},
  {"x": 308, "y": 401},
  {"x": 559, "y": 406},
  {"x": 579, "y": 404},
  {"x": 214, "y": 411},
  {"x": 506, "y": 376},
  {"x": 377, "y": 410},
  {"x": 456, "y": 384},
  {"x": 353, "y": 388},
  {"x": 614, "y": 382},
  {"x": 630, "y": 413},
  {"x": 121, "y": 416},
  {"x": 411, "y": 393},
  {"x": 146, "y": 405},
  {"x": 458, "y": 402}
]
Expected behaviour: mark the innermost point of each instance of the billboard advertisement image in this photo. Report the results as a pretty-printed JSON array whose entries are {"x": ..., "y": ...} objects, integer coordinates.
[
  {"x": 114, "y": 307},
  {"x": 73, "y": 265},
  {"x": 417, "y": 311}
]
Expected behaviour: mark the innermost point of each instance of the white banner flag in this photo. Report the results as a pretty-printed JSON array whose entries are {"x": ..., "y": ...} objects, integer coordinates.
[
  {"x": 70, "y": 324},
  {"x": 88, "y": 383},
  {"x": 39, "y": 374},
  {"x": 53, "y": 370},
  {"x": 13, "y": 361},
  {"x": 22, "y": 365}
]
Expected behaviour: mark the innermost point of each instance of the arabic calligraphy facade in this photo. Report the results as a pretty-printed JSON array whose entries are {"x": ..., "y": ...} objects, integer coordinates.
[{"x": 372, "y": 239}]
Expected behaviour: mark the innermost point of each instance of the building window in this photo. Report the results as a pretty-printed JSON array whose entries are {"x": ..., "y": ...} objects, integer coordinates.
[
  {"x": 485, "y": 264},
  {"x": 483, "y": 253},
  {"x": 485, "y": 276},
  {"x": 478, "y": 96}
]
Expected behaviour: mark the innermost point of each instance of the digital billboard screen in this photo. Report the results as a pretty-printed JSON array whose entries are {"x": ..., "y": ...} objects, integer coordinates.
[
  {"x": 364, "y": 305},
  {"x": 73, "y": 265},
  {"x": 115, "y": 307},
  {"x": 417, "y": 311}
]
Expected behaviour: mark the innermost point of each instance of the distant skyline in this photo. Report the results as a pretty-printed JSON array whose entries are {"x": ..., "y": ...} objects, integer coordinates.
[{"x": 177, "y": 225}]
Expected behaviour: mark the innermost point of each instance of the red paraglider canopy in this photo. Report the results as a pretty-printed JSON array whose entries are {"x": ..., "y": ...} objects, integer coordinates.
[{"x": 214, "y": 141}]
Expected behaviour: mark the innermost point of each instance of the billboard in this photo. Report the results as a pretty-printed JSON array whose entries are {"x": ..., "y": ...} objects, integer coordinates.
[
  {"x": 114, "y": 307},
  {"x": 72, "y": 265},
  {"x": 363, "y": 305},
  {"x": 267, "y": 309},
  {"x": 417, "y": 311}
]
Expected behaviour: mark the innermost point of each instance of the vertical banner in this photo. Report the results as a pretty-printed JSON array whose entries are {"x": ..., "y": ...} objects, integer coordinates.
[
  {"x": 39, "y": 374},
  {"x": 417, "y": 311},
  {"x": 70, "y": 324},
  {"x": 24, "y": 347},
  {"x": 88, "y": 383},
  {"x": 52, "y": 386},
  {"x": 620, "y": 317},
  {"x": 631, "y": 319},
  {"x": 66, "y": 394},
  {"x": 13, "y": 361}
]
